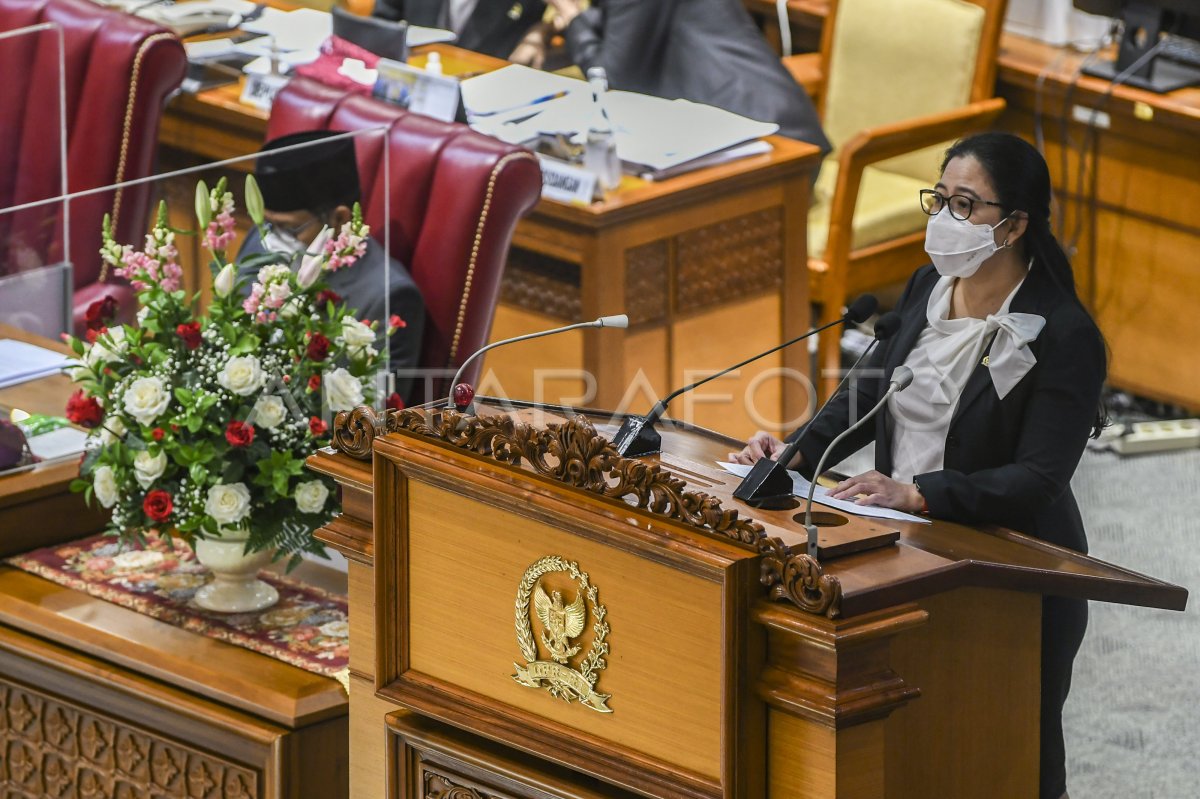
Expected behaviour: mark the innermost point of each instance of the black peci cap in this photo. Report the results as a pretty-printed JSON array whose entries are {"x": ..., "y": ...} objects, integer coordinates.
[{"x": 322, "y": 175}]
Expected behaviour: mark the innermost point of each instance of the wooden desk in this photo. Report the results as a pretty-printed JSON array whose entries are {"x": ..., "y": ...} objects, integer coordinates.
[
  {"x": 103, "y": 701},
  {"x": 738, "y": 666},
  {"x": 1136, "y": 258},
  {"x": 711, "y": 267},
  {"x": 28, "y": 499}
]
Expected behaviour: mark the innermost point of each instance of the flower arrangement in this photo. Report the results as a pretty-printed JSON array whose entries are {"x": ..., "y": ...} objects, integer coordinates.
[{"x": 202, "y": 422}]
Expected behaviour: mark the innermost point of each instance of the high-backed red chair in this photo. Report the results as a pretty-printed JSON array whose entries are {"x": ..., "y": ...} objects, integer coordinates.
[
  {"x": 456, "y": 196},
  {"x": 119, "y": 72}
]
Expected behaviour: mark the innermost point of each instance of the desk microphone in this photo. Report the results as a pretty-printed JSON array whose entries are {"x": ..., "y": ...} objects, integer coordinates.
[
  {"x": 901, "y": 378},
  {"x": 637, "y": 436},
  {"x": 462, "y": 393},
  {"x": 768, "y": 485}
]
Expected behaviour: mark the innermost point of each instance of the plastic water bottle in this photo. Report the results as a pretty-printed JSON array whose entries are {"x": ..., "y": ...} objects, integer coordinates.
[
  {"x": 600, "y": 152},
  {"x": 433, "y": 63}
]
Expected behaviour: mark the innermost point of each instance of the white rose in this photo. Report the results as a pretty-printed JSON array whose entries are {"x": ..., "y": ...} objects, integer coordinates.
[
  {"x": 114, "y": 347},
  {"x": 242, "y": 375},
  {"x": 310, "y": 497},
  {"x": 112, "y": 430},
  {"x": 268, "y": 412},
  {"x": 148, "y": 468},
  {"x": 228, "y": 503},
  {"x": 145, "y": 399},
  {"x": 357, "y": 337},
  {"x": 104, "y": 483},
  {"x": 343, "y": 390},
  {"x": 223, "y": 282}
]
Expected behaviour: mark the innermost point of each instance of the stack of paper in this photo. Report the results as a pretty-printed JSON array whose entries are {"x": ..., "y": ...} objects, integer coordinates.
[
  {"x": 655, "y": 137},
  {"x": 821, "y": 496},
  {"x": 21, "y": 362}
]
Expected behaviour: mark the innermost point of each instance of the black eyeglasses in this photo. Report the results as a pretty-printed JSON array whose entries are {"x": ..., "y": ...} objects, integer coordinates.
[{"x": 961, "y": 206}]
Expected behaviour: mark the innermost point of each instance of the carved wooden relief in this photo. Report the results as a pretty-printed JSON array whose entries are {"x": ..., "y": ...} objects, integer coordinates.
[
  {"x": 647, "y": 280},
  {"x": 52, "y": 750},
  {"x": 575, "y": 454},
  {"x": 734, "y": 258},
  {"x": 439, "y": 786},
  {"x": 543, "y": 285}
]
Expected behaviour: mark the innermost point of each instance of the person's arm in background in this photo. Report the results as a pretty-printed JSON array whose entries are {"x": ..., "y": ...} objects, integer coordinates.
[
  {"x": 1054, "y": 431},
  {"x": 623, "y": 36}
]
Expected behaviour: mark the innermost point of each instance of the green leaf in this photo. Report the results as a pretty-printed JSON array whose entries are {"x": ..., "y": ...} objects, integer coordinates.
[
  {"x": 184, "y": 396},
  {"x": 197, "y": 472},
  {"x": 78, "y": 485},
  {"x": 279, "y": 481}
]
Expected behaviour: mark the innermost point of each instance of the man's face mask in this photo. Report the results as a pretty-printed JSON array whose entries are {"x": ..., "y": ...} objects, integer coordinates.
[{"x": 280, "y": 240}]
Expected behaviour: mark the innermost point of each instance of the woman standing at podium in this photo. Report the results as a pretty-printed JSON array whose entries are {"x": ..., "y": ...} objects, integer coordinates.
[{"x": 1008, "y": 369}]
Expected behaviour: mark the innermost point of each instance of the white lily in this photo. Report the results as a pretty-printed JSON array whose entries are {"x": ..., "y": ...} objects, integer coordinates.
[
  {"x": 314, "y": 259},
  {"x": 223, "y": 283}
]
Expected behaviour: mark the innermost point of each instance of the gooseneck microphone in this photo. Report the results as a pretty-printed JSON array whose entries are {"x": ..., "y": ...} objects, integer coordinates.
[
  {"x": 462, "y": 393},
  {"x": 901, "y": 378},
  {"x": 637, "y": 436},
  {"x": 768, "y": 485}
]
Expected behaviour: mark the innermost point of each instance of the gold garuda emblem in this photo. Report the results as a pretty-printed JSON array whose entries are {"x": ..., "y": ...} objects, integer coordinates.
[{"x": 563, "y": 618}]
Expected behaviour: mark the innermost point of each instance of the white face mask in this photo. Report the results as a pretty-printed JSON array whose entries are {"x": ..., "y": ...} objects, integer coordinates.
[
  {"x": 281, "y": 241},
  {"x": 956, "y": 247}
]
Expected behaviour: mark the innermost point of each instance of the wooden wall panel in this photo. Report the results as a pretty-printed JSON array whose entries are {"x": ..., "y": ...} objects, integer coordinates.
[{"x": 360, "y": 583}]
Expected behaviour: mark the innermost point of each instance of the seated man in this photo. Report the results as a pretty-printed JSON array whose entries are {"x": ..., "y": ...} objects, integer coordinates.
[
  {"x": 706, "y": 51},
  {"x": 494, "y": 27},
  {"x": 305, "y": 190}
]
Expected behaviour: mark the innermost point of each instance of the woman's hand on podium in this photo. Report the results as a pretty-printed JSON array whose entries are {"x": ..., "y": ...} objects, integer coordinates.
[
  {"x": 760, "y": 445},
  {"x": 876, "y": 488}
]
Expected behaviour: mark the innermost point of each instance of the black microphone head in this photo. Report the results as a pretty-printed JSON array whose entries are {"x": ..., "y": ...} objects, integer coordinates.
[
  {"x": 862, "y": 308},
  {"x": 887, "y": 325}
]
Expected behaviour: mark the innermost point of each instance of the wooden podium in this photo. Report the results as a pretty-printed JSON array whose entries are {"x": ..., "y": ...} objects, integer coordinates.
[{"x": 533, "y": 615}]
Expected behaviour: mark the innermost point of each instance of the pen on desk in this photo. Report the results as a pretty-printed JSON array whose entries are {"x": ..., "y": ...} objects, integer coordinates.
[{"x": 545, "y": 99}]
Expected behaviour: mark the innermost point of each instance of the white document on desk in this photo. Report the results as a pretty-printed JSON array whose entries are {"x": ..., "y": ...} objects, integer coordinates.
[
  {"x": 418, "y": 36},
  {"x": 513, "y": 89},
  {"x": 302, "y": 29},
  {"x": 21, "y": 362},
  {"x": 821, "y": 496}
]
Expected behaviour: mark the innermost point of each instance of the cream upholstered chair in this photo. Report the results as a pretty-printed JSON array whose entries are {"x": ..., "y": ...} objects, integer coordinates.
[{"x": 895, "y": 82}]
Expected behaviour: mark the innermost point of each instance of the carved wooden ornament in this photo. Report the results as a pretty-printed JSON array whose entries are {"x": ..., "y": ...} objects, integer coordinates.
[{"x": 573, "y": 453}]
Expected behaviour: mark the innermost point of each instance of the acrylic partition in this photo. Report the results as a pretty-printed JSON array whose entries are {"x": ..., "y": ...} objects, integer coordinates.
[
  {"x": 225, "y": 264},
  {"x": 36, "y": 261}
]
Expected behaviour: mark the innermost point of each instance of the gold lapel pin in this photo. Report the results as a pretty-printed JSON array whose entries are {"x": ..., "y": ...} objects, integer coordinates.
[
  {"x": 516, "y": 11},
  {"x": 987, "y": 359}
]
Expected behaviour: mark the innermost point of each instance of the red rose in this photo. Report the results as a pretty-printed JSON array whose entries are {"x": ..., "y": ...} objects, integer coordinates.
[
  {"x": 395, "y": 402},
  {"x": 157, "y": 505},
  {"x": 328, "y": 295},
  {"x": 318, "y": 347},
  {"x": 91, "y": 334},
  {"x": 101, "y": 312},
  {"x": 84, "y": 411},
  {"x": 317, "y": 427},
  {"x": 314, "y": 383},
  {"x": 239, "y": 434},
  {"x": 158, "y": 433},
  {"x": 190, "y": 333},
  {"x": 394, "y": 322}
]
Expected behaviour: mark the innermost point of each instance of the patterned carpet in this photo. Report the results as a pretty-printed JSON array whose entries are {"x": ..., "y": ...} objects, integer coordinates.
[{"x": 1133, "y": 717}]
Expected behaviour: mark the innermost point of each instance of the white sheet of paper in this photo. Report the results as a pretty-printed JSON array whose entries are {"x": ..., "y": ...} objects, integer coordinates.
[
  {"x": 821, "y": 496},
  {"x": 511, "y": 88},
  {"x": 58, "y": 443},
  {"x": 209, "y": 48},
  {"x": 21, "y": 362},
  {"x": 302, "y": 29}
]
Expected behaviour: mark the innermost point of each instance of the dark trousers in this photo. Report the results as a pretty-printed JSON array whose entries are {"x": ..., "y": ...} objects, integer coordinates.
[{"x": 1063, "y": 624}]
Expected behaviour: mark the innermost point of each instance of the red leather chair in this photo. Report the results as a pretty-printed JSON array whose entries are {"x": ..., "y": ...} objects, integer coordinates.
[
  {"x": 119, "y": 72},
  {"x": 456, "y": 196}
]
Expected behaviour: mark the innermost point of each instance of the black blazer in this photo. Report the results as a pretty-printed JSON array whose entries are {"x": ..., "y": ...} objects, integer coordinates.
[
  {"x": 495, "y": 27},
  {"x": 1007, "y": 462},
  {"x": 706, "y": 51}
]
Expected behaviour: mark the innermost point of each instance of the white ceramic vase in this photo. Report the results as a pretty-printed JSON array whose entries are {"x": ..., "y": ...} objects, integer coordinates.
[{"x": 235, "y": 587}]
